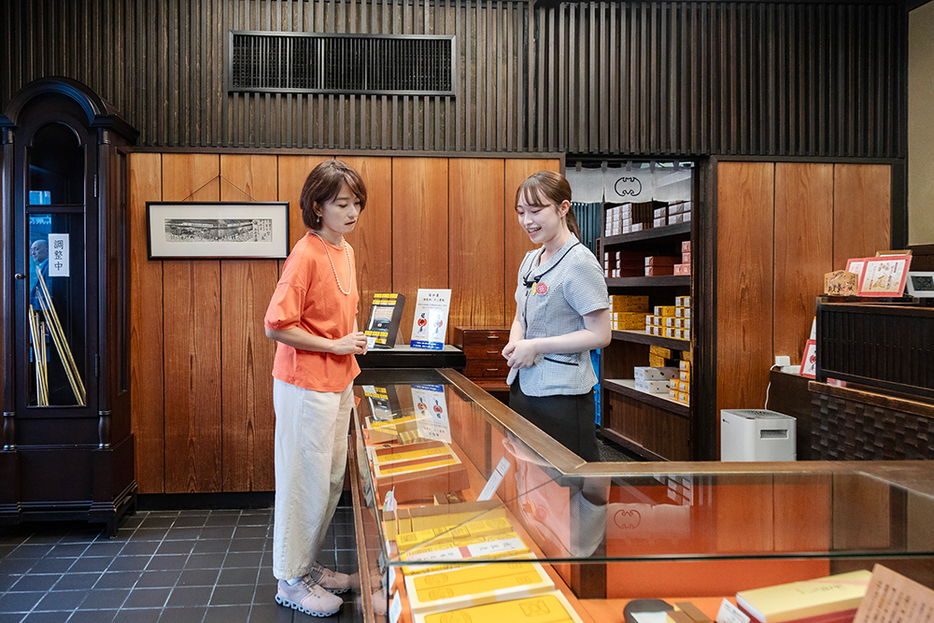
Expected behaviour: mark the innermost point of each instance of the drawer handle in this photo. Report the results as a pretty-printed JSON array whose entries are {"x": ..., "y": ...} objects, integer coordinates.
[
  {"x": 492, "y": 369},
  {"x": 492, "y": 352},
  {"x": 492, "y": 336}
]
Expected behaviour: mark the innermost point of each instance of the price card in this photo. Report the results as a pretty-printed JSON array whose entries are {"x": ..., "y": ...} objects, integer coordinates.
[
  {"x": 495, "y": 478},
  {"x": 395, "y": 608},
  {"x": 729, "y": 613}
]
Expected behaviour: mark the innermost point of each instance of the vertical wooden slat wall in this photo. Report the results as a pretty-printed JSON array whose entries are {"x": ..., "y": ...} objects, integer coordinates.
[
  {"x": 246, "y": 287},
  {"x": 780, "y": 228},
  {"x": 804, "y": 218},
  {"x": 192, "y": 346},
  {"x": 200, "y": 361},
  {"x": 745, "y": 200},
  {"x": 647, "y": 78},
  {"x": 146, "y": 330}
]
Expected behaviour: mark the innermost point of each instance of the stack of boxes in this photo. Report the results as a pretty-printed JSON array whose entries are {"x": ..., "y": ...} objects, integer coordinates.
[
  {"x": 669, "y": 371},
  {"x": 680, "y": 388},
  {"x": 654, "y": 380},
  {"x": 655, "y": 323},
  {"x": 660, "y": 265},
  {"x": 684, "y": 268},
  {"x": 622, "y": 264},
  {"x": 628, "y": 312},
  {"x": 631, "y": 217},
  {"x": 679, "y": 212},
  {"x": 672, "y": 321}
]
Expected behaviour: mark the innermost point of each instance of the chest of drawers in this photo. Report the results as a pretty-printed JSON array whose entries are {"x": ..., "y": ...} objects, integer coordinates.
[{"x": 483, "y": 347}]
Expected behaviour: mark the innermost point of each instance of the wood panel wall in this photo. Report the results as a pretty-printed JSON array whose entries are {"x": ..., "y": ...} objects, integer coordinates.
[
  {"x": 200, "y": 361},
  {"x": 633, "y": 78},
  {"x": 780, "y": 228}
]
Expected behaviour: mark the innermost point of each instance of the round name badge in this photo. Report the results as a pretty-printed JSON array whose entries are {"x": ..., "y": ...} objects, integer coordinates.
[{"x": 541, "y": 288}]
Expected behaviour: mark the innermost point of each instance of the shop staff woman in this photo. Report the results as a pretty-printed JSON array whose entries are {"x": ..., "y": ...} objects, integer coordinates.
[
  {"x": 562, "y": 313},
  {"x": 312, "y": 316}
]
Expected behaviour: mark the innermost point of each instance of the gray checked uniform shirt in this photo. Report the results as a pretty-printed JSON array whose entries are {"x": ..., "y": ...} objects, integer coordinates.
[{"x": 562, "y": 289}]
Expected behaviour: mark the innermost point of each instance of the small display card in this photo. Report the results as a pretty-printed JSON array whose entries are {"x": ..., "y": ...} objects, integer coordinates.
[{"x": 431, "y": 319}]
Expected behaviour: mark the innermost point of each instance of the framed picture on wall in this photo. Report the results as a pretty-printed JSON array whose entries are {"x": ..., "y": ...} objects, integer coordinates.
[
  {"x": 884, "y": 275},
  {"x": 217, "y": 230}
]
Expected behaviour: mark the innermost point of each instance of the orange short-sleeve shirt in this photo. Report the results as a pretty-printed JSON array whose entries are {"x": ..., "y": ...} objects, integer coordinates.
[{"x": 307, "y": 296}]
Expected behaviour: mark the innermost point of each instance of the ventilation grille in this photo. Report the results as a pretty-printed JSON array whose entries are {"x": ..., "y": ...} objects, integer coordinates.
[{"x": 340, "y": 63}]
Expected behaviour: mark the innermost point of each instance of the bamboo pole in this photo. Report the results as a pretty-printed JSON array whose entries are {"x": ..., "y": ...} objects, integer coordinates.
[
  {"x": 38, "y": 343},
  {"x": 61, "y": 342}
]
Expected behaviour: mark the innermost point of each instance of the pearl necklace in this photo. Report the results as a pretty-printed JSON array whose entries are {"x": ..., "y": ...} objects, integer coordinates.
[{"x": 347, "y": 253}]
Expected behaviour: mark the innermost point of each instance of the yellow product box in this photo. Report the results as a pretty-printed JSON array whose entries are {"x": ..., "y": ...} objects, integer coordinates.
[
  {"x": 427, "y": 517},
  {"x": 657, "y": 320},
  {"x": 667, "y": 353},
  {"x": 664, "y": 310},
  {"x": 411, "y": 455},
  {"x": 687, "y": 356},
  {"x": 656, "y": 361},
  {"x": 551, "y": 607},
  {"x": 686, "y": 323},
  {"x": 670, "y": 332},
  {"x": 683, "y": 397},
  {"x": 679, "y": 311},
  {"x": 684, "y": 366},
  {"x": 674, "y": 385},
  {"x": 628, "y": 303},
  {"x": 686, "y": 334},
  {"x": 629, "y": 320},
  {"x": 453, "y": 533},
  {"x": 672, "y": 393},
  {"x": 475, "y": 585},
  {"x": 683, "y": 301},
  {"x": 686, "y": 376},
  {"x": 428, "y": 558}
]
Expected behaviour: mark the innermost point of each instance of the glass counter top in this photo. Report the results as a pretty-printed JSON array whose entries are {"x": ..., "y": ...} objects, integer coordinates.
[{"x": 427, "y": 444}]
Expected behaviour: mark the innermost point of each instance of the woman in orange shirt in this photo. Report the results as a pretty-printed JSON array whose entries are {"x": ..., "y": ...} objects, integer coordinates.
[{"x": 312, "y": 316}]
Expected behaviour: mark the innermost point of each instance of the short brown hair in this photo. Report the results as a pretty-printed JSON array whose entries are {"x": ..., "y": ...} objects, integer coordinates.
[
  {"x": 547, "y": 188},
  {"x": 324, "y": 183}
]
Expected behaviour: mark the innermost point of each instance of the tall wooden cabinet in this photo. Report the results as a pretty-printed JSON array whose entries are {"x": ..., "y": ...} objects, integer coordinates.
[{"x": 67, "y": 449}]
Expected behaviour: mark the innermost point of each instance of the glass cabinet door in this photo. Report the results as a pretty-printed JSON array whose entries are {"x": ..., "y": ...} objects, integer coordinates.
[{"x": 56, "y": 314}]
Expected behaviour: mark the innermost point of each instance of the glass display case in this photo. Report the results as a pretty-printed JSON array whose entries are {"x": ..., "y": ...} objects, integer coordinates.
[{"x": 461, "y": 503}]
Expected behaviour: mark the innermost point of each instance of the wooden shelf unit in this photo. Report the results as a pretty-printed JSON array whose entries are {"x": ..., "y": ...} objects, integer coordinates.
[{"x": 652, "y": 426}]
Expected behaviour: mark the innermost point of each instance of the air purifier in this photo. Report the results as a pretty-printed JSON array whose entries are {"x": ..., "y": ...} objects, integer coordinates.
[{"x": 756, "y": 435}]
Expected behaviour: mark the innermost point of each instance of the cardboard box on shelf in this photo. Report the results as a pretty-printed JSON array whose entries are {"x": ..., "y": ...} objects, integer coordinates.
[
  {"x": 652, "y": 387},
  {"x": 654, "y": 374},
  {"x": 660, "y": 260},
  {"x": 664, "y": 310},
  {"x": 657, "y": 271},
  {"x": 682, "y": 269}
]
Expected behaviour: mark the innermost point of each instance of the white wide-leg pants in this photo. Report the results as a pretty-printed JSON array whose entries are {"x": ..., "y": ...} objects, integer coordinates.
[{"x": 311, "y": 456}]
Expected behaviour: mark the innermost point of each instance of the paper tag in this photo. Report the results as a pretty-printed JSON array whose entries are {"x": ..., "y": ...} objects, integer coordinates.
[
  {"x": 392, "y": 576},
  {"x": 395, "y": 608},
  {"x": 729, "y": 613},
  {"x": 59, "y": 256},
  {"x": 495, "y": 478},
  {"x": 370, "y": 342},
  {"x": 649, "y": 617}
]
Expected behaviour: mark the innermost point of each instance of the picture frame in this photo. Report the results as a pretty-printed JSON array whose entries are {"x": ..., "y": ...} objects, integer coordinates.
[
  {"x": 920, "y": 284},
  {"x": 884, "y": 275},
  {"x": 855, "y": 265},
  {"x": 217, "y": 230},
  {"x": 809, "y": 359}
]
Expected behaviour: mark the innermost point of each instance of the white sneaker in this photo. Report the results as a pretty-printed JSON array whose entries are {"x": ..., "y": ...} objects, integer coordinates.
[
  {"x": 306, "y": 596},
  {"x": 331, "y": 581}
]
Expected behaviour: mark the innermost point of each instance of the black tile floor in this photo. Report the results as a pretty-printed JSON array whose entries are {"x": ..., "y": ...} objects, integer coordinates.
[{"x": 197, "y": 566}]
